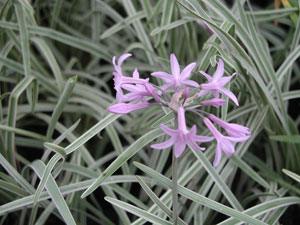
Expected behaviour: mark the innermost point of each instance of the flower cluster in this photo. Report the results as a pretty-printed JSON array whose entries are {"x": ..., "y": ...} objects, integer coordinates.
[{"x": 180, "y": 94}]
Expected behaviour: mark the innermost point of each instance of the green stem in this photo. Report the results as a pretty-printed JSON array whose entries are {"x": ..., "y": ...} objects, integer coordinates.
[{"x": 174, "y": 191}]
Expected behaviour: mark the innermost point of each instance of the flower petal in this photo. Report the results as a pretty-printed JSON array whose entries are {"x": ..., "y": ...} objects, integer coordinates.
[
  {"x": 227, "y": 147},
  {"x": 191, "y": 142},
  {"x": 228, "y": 93},
  {"x": 123, "y": 57},
  {"x": 167, "y": 86},
  {"x": 179, "y": 147},
  {"x": 174, "y": 66},
  {"x": 218, "y": 155},
  {"x": 186, "y": 94},
  {"x": 203, "y": 138},
  {"x": 220, "y": 70},
  {"x": 238, "y": 139},
  {"x": 224, "y": 80},
  {"x": 136, "y": 74},
  {"x": 121, "y": 97},
  {"x": 151, "y": 91},
  {"x": 216, "y": 102},
  {"x": 190, "y": 83},
  {"x": 114, "y": 61},
  {"x": 186, "y": 72},
  {"x": 165, "y": 144},
  {"x": 123, "y": 108},
  {"x": 233, "y": 129},
  {"x": 163, "y": 75},
  {"x": 203, "y": 92},
  {"x": 212, "y": 128},
  {"x": 168, "y": 130},
  {"x": 215, "y": 93},
  {"x": 208, "y": 77},
  {"x": 192, "y": 134},
  {"x": 236, "y": 133},
  {"x": 131, "y": 87}
]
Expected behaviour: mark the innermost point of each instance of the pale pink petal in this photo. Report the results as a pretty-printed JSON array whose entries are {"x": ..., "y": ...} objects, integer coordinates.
[
  {"x": 174, "y": 66},
  {"x": 123, "y": 57},
  {"x": 193, "y": 131},
  {"x": 233, "y": 129},
  {"x": 186, "y": 72},
  {"x": 166, "y": 86},
  {"x": 131, "y": 87},
  {"x": 136, "y": 97},
  {"x": 227, "y": 147},
  {"x": 224, "y": 80},
  {"x": 239, "y": 128},
  {"x": 228, "y": 93},
  {"x": 218, "y": 120},
  {"x": 123, "y": 108},
  {"x": 179, "y": 147},
  {"x": 192, "y": 134},
  {"x": 190, "y": 83},
  {"x": 151, "y": 91},
  {"x": 114, "y": 61},
  {"x": 165, "y": 144},
  {"x": 130, "y": 80},
  {"x": 216, "y": 102},
  {"x": 238, "y": 139},
  {"x": 218, "y": 155},
  {"x": 168, "y": 130},
  {"x": 186, "y": 94},
  {"x": 208, "y": 77},
  {"x": 120, "y": 61},
  {"x": 212, "y": 128},
  {"x": 238, "y": 133},
  {"x": 120, "y": 97},
  {"x": 136, "y": 74},
  {"x": 163, "y": 75},
  {"x": 210, "y": 86},
  {"x": 215, "y": 93},
  {"x": 203, "y": 138},
  {"x": 191, "y": 142},
  {"x": 220, "y": 70},
  {"x": 203, "y": 92}
]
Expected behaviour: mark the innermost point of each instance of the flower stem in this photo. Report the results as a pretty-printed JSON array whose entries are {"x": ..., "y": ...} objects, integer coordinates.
[{"x": 174, "y": 191}]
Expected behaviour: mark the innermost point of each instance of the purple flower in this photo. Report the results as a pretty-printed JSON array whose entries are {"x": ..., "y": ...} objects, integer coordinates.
[
  {"x": 120, "y": 79},
  {"x": 138, "y": 92},
  {"x": 181, "y": 136},
  {"x": 216, "y": 84},
  {"x": 123, "y": 108},
  {"x": 233, "y": 129},
  {"x": 216, "y": 102},
  {"x": 223, "y": 142},
  {"x": 186, "y": 94},
  {"x": 177, "y": 80}
]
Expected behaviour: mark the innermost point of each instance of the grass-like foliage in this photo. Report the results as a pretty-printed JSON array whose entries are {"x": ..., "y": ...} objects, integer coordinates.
[{"x": 66, "y": 159}]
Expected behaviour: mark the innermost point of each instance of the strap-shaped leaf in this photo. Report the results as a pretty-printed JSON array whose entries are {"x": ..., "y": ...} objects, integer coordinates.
[
  {"x": 126, "y": 155},
  {"x": 292, "y": 174},
  {"x": 57, "y": 197},
  {"x": 199, "y": 198},
  {"x": 138, "y": 212}
]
